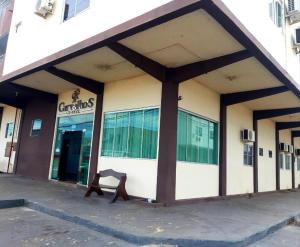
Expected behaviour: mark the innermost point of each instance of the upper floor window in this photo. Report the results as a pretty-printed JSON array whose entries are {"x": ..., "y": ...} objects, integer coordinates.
[
  {"x": 288, "y": 161},
  {"x": 276, "y": 12},
  {"x": 73, "y": 7},
  {"x": 281, "y": 160}
]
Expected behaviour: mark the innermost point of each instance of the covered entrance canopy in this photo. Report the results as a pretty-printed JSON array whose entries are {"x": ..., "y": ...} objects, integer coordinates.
[{"x": 182, "y": 40}]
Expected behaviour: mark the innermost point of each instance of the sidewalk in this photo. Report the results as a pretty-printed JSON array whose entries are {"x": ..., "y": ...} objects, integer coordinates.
[{"x": 215, "y": 223}]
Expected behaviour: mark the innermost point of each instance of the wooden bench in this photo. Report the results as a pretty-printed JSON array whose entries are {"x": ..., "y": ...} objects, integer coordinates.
[{"x": 120, "y": 189}]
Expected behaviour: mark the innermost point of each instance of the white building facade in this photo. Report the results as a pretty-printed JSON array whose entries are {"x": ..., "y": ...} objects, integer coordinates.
[{"x": 161, "y": 92}]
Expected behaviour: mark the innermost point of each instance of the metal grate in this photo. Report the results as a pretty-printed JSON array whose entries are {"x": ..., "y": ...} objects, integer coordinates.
[{"x": 291, "y": 5}]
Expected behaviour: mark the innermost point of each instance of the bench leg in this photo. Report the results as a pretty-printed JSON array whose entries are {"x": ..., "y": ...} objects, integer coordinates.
[
  {"x": 93, "y": 189},
  {"x": 116, "y": 195}
]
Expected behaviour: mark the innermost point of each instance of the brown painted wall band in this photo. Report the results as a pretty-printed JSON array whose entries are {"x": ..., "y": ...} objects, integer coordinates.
[
  {"x": 255, "y": 155},
  {"x": 96, "y": 137},
  {"x": 293, "y": 163},
  {"x": 166, "y": 172},
  {"x": 34, "y": 153},
  {"x": 223, "y": 150},
  {"x": 277, "y": 158}
]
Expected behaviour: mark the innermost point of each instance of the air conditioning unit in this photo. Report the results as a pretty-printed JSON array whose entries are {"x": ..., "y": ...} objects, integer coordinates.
[
  {"x": 44, "y": 7},
  {"x": 293, "y": 11},
  {"x": 291, "y": 149},
  {"x": 247, "y": 135},
  {"x": 283, "y": 147},
  {"x": 297, "y": 152}
]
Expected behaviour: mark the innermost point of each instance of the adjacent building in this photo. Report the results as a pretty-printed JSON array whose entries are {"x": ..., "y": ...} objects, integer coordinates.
[{"x": 191, "y": 99}]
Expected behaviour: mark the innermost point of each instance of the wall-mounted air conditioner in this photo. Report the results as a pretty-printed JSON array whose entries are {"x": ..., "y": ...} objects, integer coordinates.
[
  {"x": 283, "y": 147},
  {"x": 293, "y": 11},
  {"x": 291, "y": 149},
  {"x": 44, "y": 7},
  {"x": 297, "y": 152},
  {"x": 247, "y": 135}
]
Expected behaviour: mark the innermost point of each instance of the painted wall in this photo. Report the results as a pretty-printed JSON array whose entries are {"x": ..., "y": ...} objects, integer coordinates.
[
  {"x": 198, "y": 180},
  {"x": 239, "y": 176},
  {"x": 266, "y": 165},
  {"x": 40, "y": 36},
  {"x": 9, "y": 114},
  {"x": 297, "y": 173},
  {"x": 135, "y": 93},
  {"x": 278, "y": 41},
  {"x": 285, "y": 175}
]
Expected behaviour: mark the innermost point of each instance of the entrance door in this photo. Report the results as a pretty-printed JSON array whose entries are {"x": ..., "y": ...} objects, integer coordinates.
[{"x": 70, "y": 156}]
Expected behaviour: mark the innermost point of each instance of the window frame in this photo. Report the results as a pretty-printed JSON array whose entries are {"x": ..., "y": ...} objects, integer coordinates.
[
  {"x": 128, "y": 111},
  {"x": 288, "y": 161},
  {"x": 247, "y": 163},
  {"x": 38, "y": 130},
  {"x": 298, "y": 163},
  {"x": 75, "y": 12},
  {"x": 282, "y": 160},
  {"x": 218, "y": 137},
  {"x": 273, "y": 13}
]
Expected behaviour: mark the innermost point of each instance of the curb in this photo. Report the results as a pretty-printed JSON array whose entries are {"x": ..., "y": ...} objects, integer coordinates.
[
  {"x": 5, "y": 204},
  {"x": 144, "y": 240}
]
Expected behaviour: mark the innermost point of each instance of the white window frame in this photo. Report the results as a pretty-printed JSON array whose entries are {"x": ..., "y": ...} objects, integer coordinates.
[
  {"x": 273, "y": 12},
  {"x": 281, "y": 160}
]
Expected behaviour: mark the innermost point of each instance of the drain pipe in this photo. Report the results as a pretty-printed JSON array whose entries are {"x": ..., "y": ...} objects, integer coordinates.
[{"x": 12, "y": 141}]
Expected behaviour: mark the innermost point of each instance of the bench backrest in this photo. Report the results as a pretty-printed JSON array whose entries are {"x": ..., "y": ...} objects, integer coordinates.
[{"x": 112, "y": 173}]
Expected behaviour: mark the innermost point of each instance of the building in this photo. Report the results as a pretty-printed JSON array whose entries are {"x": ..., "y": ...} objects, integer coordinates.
[{"x": 161, "y": 92}]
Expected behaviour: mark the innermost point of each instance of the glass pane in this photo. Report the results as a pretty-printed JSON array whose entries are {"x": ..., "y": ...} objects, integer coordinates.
[
  {"x": 135, "y": 134},
  {"x": 69, "y": 9},
  {"x": 203, "y": 148},
  {"x": 121, "y": 135},
  {"x": 82, "y": 5},
  {"x": 9, "y": 130},
  {"x": 181, "y": 136},
  {"x": 193, "y": 138},
  {"x": 108, "y": 134},
  {"x": 213, "y": 143},
  {"x": 85, "y": 152},
  {"x": 150, "y": 133}
]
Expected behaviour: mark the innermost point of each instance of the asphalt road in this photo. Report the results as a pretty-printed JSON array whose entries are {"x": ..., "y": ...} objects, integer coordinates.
[{"x": 22, "y": 227}]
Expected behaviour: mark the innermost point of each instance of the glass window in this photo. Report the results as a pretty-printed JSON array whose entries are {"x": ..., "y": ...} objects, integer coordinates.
[
  {"x": 288, "y": 161},
  {"x": 36, "y": 127},
  {"x": 73, "y": 7},
  {"x": 270, "y": 154},
  {"x": 281, "y": 160},
  {"x": 9, "y": 130},
  {"x": 261, "y": 152},
  {"x": 197, "y": 139},
  {"x": 276, "y": 12},
  {"x": 298, "y": 164},
  {"x": 248, "y": 154},
  {"x": 130, "y": 134}
]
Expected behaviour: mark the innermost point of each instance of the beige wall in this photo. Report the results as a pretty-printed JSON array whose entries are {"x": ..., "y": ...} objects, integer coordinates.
[
  {"x": 297, "y": 173},
  {"x": 266, "y": 165},
  {"x": 285, "y": 175},
  {"x": 9, "y": 114},
  {"x": 198, "y": 180},
  {"x": 135, "y": 93},
  {"x": 239, "y": 176}
]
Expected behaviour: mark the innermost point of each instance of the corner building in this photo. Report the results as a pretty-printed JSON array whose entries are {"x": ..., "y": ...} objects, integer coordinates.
[{"x": 188, "y": 98}]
